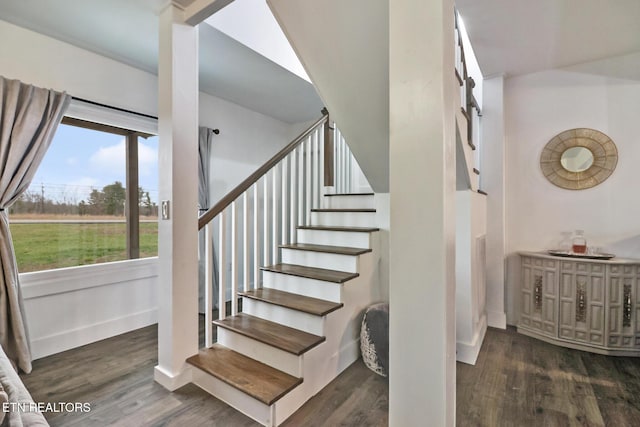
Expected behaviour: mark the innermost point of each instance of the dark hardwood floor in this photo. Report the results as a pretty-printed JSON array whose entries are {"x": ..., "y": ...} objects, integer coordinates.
[
  {"x": 517, "y": 381},
  {"x": 116, "y": 377},
  {"x": 520, "y": 381}
]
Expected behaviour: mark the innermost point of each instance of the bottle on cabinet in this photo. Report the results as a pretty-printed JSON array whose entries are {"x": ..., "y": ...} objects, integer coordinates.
[{"x": 579, "y": 243}]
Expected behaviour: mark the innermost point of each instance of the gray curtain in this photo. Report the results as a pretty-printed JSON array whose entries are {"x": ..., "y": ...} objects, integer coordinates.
[
  {"x": 29, "y": 117},
  {"x": 204, "y": 155}
]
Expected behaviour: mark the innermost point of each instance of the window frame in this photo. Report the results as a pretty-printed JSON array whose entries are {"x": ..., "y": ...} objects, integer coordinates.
[{"x": 132, "y": 209}]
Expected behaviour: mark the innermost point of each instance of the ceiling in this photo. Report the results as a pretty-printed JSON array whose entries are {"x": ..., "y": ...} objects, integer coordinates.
[
  {"x": 510, "y": 37},
  {"x": 127, "y": 31},
  {"x": 514, "y": 37}
]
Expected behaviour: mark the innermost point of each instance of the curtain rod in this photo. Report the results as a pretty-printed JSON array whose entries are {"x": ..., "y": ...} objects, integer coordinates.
[{"x": 98, "y": 104}]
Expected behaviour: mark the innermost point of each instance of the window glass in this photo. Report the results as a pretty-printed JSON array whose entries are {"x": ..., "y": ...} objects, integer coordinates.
[
  {"x": 148, "y": 183},
  {"x": 74, "y": 210}
]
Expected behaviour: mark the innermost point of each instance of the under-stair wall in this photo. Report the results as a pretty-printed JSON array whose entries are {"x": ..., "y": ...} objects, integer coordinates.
[
  {"x": 358, "y": 94},
  {"x": 471, "y": 318}
]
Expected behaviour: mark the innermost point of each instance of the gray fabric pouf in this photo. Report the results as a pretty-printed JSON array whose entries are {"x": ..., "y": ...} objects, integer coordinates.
[{"x": 374, "y": 338}]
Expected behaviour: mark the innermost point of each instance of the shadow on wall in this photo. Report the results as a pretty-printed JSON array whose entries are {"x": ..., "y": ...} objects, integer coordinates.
[{"x": 627, "y": 248}]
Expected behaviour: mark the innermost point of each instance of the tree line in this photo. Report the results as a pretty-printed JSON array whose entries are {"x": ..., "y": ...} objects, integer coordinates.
[{"x": 108, "y": 201}]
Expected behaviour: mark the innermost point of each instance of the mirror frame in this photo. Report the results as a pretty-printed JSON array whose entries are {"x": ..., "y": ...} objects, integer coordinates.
[{"x": 605, "y": 158}]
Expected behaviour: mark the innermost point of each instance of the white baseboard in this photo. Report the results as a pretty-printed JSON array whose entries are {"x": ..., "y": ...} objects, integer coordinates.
[
  {"x": 348, "y": 354},
  {"x": 497, "y": 319},
  {"x": 172, "y": 381},
  {"x": 52, "y": 344},
  {"x": 468, "y": 352}
]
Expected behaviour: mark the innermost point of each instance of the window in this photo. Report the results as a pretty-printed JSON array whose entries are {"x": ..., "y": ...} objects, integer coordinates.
[{"x": 79, "y": 210}]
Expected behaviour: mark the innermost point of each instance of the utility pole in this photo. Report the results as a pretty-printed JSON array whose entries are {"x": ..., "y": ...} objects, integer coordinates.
[{"x": 41, "y": 197}]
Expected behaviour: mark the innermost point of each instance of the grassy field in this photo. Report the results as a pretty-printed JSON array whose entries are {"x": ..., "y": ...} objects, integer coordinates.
[{"x": 43, "y": 246}]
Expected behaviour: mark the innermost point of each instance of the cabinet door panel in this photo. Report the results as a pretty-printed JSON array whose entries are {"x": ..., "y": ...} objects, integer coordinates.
[
  {"x": 596, "y": 323},
  {"x": 622, "y": 315},
  {"x": 538, "y": 295},
  {"x": 596, "y": 294},
  {"x": 582, "y": 302}
]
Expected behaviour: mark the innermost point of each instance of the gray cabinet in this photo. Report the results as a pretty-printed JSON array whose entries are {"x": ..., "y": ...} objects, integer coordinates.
[
  {"x": 582, "y": 302},
  {"x": 539, "y": 289},
  {"x": 623, "y": 314},
  {"x": 593, "y": 305}
]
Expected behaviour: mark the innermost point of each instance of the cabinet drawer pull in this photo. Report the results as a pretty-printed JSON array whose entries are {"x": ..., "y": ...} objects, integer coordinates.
[
  {"x": 537, "y": 292},
  {"x": 626, "y": 310},
  {"x": 581, "y": 302}
]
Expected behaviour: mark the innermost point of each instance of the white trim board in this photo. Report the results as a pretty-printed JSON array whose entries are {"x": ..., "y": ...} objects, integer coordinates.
[{"x": 66, "y": 340}]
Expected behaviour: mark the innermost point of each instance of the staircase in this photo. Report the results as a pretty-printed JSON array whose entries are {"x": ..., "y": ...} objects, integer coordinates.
[{"x": 299, "y": 330}]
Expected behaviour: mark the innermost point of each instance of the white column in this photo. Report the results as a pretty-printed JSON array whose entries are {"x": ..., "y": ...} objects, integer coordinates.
[
  {"x": 493, "y": 169},
  {"x": 422, "y": 93},
  {"x": 178, "y": 182}
]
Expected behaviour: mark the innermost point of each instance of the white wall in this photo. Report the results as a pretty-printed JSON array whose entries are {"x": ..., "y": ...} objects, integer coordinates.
[
  {"x": 492, "y": 180},
  {"x": 471, "y": 318},
  {"x": 70, "y": 307},
  {"x": 124, "y": 299},
  {"x": 247, "y": 140},
  {"x": 251, "y": 23},
  {"x": 539, "y": 106},
  {"x": 46, "y": 62}
]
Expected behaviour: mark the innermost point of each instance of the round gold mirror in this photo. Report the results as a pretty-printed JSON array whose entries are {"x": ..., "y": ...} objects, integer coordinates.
[{"x": 577, "y": 159}]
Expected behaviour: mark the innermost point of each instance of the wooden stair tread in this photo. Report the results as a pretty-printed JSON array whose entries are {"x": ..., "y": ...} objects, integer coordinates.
[
  {"x": 315, "y": 306},
  {"x": 345, "y": 210},
  {"x": 274, "y": 334},
  {"x": 254, "y": 378},
  {"x": 334, "y": 276},
  {"x": 340, "y": 250},
  {"x": 338, "y": 228},
  {"x": 350, "y": 194}
]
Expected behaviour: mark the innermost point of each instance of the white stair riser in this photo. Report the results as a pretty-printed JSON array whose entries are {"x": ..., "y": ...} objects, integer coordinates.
[
  {"x": 329, "y": 261},
  {"x": 279, "y": 359},
  {"x": 240, "y": 401},
  {"x": 336, "y": 238},
  {"x": 348, "y": 202},
  {"x": 344, "y": 219},
  {"x": 284, "y": 316},
  {"x": 301, "y": 285}
]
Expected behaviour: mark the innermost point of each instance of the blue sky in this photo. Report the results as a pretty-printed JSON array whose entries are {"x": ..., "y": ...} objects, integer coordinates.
[{"x": 80, "y": 160}]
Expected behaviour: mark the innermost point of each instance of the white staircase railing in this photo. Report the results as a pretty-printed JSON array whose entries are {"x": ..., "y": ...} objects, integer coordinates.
[
  {"x": 262, "y": 213},
  {"x": 470, "y": 108}
]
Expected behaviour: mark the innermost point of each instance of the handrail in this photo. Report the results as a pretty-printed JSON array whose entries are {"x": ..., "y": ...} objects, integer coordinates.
[{"x": 254, "y": 177}]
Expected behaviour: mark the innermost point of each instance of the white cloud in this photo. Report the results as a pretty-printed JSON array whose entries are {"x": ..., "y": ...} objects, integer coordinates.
[
  {"x": 111, "y": 158},
  {"x": 147, "y": 159},
  {"x": 72, "y": 161}
]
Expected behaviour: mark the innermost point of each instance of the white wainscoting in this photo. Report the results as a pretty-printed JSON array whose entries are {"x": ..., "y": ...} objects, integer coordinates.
[{"x": 71, "y": 307}]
